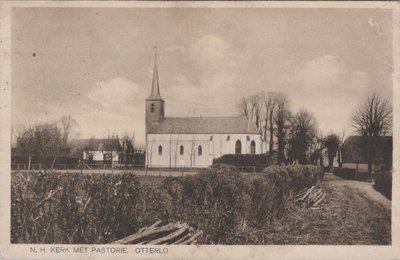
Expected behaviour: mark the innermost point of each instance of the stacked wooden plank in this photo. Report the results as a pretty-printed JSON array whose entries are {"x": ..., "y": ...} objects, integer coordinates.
[
  {"x": 169, "y": 234},
  {"x": 310, "y": 197}
]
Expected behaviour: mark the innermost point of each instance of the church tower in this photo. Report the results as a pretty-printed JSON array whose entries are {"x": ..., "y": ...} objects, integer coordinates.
[{"x": 154, "y": 103}]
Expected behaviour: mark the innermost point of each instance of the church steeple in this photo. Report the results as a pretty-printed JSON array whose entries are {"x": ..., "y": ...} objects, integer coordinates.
[
  {"x": 154, "y": 103},
  {"x": 155, "y": 85}
]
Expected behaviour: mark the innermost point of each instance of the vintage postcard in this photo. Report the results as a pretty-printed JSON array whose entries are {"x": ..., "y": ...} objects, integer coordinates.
[{"x": 226, "y": 130}]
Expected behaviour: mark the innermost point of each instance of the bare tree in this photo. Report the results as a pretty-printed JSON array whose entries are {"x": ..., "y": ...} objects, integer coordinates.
[
  {"x": 372, "y": 119},
  {"x": 67, "y": 125},
  {"x": 304, "y": 128},
  {"x": 193, "y": 151},
  {"x": 243, "y": 107},
  {"x": 269, "y": 104},
  {"x": 331, "y": 142},
  {"x": 256, "y": 107},
  {"x": 282, "y": 121},
  {"x": 43, "y": 140},
  {"x": 25, "y": 143},
  {"x": 317, "y": 150},
  {"x": 128, "y": 148}
]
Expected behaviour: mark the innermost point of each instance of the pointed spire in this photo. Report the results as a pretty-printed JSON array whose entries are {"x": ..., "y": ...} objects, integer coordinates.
[
  {"x": 155, "y": 85},
  {"x": 155, "y": 88}
]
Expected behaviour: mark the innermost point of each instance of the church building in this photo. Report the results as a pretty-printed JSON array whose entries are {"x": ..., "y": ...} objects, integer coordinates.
[{"x": 193, "y": 142}]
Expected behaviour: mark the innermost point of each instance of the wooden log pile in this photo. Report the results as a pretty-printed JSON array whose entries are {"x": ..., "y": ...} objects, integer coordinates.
[
  {"x": 310, "y": 197},
  {"x": 169, "y": 234}
]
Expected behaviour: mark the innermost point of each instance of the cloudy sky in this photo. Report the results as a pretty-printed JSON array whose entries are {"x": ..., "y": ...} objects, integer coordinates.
[{"x": 95, "y": 64}]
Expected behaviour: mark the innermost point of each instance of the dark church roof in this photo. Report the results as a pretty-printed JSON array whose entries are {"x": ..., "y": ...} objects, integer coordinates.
[{"x": 204, "y": 125}]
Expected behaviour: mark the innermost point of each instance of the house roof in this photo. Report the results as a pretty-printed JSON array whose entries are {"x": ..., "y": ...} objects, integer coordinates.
[
  {"x": 204, "y": 125},
  {"x": 93, "y": 144},
  {"x": 354, "y": 149}
]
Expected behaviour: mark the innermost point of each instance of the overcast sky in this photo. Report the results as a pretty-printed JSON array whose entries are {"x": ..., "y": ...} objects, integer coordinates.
[{"x": 95, "y": 64}]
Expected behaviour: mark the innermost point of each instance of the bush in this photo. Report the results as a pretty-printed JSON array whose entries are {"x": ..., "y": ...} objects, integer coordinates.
[
  {"x": 247, "y": 162},
  {"x": 102, "y": 208},
  {"x": 213, "y": 200},
  {"x": 383, "y": 183},
  {"x": 350, "y": 174},
  {"x": 271, "y": 192},
  {"x": 75, "y": 208}
]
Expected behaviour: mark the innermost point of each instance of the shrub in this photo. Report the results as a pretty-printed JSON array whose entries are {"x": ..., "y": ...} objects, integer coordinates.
[
  {"x": 271, "y": 192},
  {"x": 75, "y": 208},
  {"x": 213, "y": 200},
  {"x": 383, "y": 183},
  {"x": 102, "y": 208},
  {"x": 247, "y": 162}
]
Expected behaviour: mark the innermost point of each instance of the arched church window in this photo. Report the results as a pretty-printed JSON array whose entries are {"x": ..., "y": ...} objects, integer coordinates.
[
  {"x": 253, "y": 147},
  {"x": 152, "y": 107},
  {"x": 200, "y": 150},
  {"x": 238, "y": 147},
  {"x": 181, "y": 150},
  {"x": 160, "y": 150}
]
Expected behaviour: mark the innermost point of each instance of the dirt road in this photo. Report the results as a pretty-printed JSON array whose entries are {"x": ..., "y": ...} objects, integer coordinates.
[{"x": 364, "y": 187}]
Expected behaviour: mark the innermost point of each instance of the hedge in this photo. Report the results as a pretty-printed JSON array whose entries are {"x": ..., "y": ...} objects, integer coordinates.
[
  {"x": 74, "y": 208},
  {"x": 102, "y": 208},
  {"x": 350, "y": 174},
  {"x": 271, "y": 192},
  {"x": 220, "y": 200},
  {"x": 383, "y": 183},
  {"x": 246, "y": 162}
]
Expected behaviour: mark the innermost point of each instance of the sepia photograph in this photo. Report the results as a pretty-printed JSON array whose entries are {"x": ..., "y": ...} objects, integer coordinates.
[{"x": 199, "y": 126}]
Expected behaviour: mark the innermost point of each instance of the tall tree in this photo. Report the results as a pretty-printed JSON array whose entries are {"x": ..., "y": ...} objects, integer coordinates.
[
  {"x": 243, "y": 107},
  {"x": 317, "y": 150},
  {"x": 372, "y": 119},
  {"x": 256, "y": 107},
  {"x": 128, "y": 148},
  {"x": 332, "y": 143},
  {"x": 270, "y": 103},
  {"x": 46, "y": 140},
  {"x": 25, "y": 143},
  {"x": 304, "y": 130},
  {"x": 282, "y": 121},
  {"x": 67, "y": 125}
]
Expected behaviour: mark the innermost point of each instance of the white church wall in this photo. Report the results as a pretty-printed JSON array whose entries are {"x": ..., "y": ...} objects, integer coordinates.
[{"x": 212, "y": 146}]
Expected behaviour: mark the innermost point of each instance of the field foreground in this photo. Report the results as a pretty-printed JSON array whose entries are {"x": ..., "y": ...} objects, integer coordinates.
[
  {"x": 352, "y": 214},
  {"x": 229, "y": 208}
]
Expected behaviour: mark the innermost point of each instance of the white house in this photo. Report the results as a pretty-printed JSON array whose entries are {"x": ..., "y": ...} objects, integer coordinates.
[
  {"x": 95, "y": 150},
  {"x": 194, "y": 141}
]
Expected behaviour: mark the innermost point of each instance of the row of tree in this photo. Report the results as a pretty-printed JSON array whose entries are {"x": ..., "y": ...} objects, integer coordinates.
[
  {"x": 51, "y": 140},
  {"x": 295, "y": 136},
  {"x": 44, "y": 140}
]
